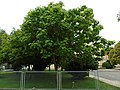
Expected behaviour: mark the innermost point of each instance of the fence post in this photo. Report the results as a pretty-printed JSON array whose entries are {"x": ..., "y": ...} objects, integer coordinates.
[
  {"x": 57, "y": 80},
  {"x": 60, "y": 80},
  {"x": 97, "y": 81},
  {"x": 22, "y": 81}
]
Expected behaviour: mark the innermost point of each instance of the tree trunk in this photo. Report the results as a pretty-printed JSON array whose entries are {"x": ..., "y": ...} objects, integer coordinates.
[
  {"x": 55, "y": 64},
  {"x": 56, "y": 67},
  {"x": 49, "y": 67},
  {"x": 28, "y": 67}
]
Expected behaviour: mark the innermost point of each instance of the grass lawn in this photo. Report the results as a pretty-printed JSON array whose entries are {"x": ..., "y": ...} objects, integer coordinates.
[
  {"x": 49, "y": 80},
  {"x": 9, "y": 80}
]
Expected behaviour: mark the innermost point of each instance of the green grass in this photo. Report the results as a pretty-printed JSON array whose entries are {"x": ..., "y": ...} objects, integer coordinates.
[
  {"x": 48, "y": 80},
  {"x": 41, "y": 80},
  {"x": 70, "y": 82},
  {"x": 9, "y": 80},
  {"x": 86, "y": 83},
  {"x": 105, "y": 86}
]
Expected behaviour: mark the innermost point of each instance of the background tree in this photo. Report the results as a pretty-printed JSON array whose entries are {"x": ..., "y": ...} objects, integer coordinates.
[
  {"x": 4, "y": 46},
  {"x": 114, "y": 54},
  {"x": 1, "y": 33}
]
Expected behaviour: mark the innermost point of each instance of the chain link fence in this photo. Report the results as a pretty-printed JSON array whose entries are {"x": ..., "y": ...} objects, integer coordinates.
[{"x": 61, "y": 80}]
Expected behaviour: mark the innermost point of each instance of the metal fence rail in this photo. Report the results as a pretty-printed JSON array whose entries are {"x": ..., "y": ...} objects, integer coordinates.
[{"x": 53, "y": 80}]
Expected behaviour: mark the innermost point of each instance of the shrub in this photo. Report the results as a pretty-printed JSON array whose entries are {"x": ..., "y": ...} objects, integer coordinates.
[
  {"x": 76, "y": 66},
  {"x": 107, "y": 65}
]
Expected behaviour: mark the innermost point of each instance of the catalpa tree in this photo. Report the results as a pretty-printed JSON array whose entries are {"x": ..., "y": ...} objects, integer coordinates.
[{"x": 66, "y": 38}]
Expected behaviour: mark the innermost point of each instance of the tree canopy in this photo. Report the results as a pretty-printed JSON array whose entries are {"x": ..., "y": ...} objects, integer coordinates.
[{"x": 52, "y": 35}]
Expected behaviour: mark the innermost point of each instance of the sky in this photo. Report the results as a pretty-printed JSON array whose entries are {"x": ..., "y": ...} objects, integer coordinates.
[{"x": 12, "y": 13}]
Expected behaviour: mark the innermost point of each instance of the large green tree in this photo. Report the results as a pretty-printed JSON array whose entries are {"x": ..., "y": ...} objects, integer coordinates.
[
  {"x": 53, "y": 35},
  {"x": 64, "y": 35}
]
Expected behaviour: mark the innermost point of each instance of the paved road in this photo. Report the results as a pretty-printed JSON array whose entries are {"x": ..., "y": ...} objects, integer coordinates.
[{"x": 110, "y": 76}]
